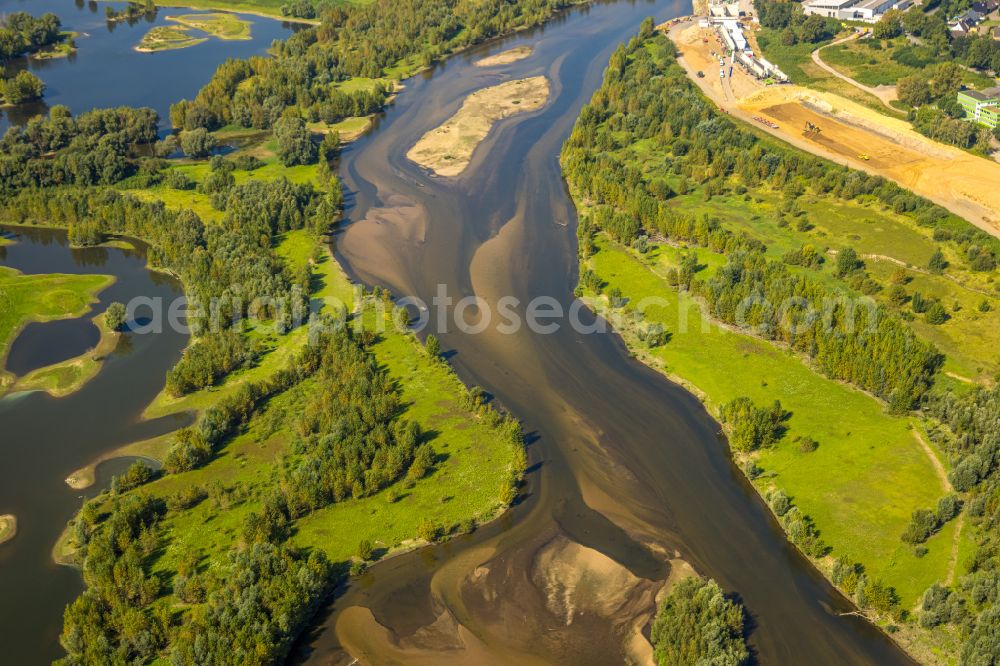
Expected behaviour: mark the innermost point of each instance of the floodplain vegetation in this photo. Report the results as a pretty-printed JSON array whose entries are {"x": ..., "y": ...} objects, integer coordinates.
[{"x": 873, "y": 442}]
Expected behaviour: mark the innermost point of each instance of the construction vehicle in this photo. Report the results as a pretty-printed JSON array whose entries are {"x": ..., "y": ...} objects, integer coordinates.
[
  {"x": 812, "y": 128},
  {"x": 864, "y": 157}
]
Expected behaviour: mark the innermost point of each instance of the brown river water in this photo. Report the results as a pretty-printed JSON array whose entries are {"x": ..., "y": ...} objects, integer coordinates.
[{"x": 629, "y": 478}]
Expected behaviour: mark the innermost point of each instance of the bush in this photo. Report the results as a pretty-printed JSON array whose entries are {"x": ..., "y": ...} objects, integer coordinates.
[
  {"x": 197, "y": 142},
  {"x": 114, "y": 316}
]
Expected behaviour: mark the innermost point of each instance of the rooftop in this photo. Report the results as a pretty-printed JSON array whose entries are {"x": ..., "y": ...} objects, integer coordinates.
[
  {"x": 976, "y": 95},
  {"x": 831, "y": 4}
]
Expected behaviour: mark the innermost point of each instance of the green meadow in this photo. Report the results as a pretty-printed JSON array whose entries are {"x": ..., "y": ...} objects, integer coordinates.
[{"x": 868, "y": 473}]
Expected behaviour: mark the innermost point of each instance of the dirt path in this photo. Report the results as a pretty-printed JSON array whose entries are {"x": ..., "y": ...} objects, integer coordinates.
[
  {"x": 960, "y": 520},
  {"x": 885, "y": 94},
  {"x": 935, "y": 461}
]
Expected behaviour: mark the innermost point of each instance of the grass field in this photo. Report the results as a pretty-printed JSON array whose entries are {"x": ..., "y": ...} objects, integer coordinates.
[
  {"x": 868, "y": 473},
  {"x": 888, "y": 242},
  {"x": 28, "y": 298}
]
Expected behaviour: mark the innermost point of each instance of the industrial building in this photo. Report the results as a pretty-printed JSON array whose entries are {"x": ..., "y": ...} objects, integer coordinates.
[{"x": 849, "y": 10}]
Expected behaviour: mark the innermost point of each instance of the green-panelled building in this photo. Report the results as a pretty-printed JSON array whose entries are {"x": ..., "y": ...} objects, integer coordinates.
[{"x": 980, "y": 108}]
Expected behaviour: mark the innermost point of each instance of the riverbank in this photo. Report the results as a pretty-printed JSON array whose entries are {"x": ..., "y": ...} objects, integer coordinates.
[
  {"x": 448, "y": 149},
  {"x": 41, "y": 298},
  {"x": 842, "y": 473},
  {"x": 65, "y": 377}
]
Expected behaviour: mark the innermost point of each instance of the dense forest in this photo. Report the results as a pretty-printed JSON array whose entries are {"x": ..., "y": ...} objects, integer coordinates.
[
  {"x": 364, "y": 40},
  {"x": 707, "y": 153},
  {"x": 973, "y": 438}
]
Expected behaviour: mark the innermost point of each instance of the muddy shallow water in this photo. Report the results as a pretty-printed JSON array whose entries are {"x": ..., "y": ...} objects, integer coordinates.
[{"x": 627, "y": 471}]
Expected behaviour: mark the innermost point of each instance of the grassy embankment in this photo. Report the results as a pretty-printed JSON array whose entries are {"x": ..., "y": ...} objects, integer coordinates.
[
  {"x": 167, "y": 38},
  {"x": 61, "y": 379},
  {"x": 30, "y": 298},
  {"x": 61, "y": 49}
]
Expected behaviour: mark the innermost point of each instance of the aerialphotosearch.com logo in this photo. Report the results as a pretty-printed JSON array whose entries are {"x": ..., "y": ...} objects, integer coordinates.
[{"x": 473, "y": 315}]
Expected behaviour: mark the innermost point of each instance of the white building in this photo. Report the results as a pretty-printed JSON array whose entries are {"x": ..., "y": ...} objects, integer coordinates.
[
  {"x": 849, "y": 10},
  {"x": 831, "y": 8}
]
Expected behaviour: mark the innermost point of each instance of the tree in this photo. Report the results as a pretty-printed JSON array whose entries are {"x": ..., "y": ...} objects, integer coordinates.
[
  {"x": 936, "y": 314},
  {"x": 365, "y": 549},
  {"x": 433, "y": 346},
  {"x": 114, "y": 316},
  {"x": 295, "y": 145},
  {"x": 888, "y": 26},
  {"x": 937, "y": 263},
  {"x": 197, "y": 142},
  {"x": 914, "y": 90},
  {"x": 848, "y": 262}
]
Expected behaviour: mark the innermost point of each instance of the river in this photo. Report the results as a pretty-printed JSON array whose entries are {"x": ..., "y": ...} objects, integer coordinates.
[
  {"x": 44, "y": 439},
  {"x": 621, "y": 461},
  {"x": 106, "y": 71}
]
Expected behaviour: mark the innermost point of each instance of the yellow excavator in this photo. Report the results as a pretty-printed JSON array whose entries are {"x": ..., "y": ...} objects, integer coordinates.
[{"x": 812, "y": 128}]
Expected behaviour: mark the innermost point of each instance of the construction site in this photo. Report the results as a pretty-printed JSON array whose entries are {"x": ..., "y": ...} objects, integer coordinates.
[{"x": 839, "y": 129}]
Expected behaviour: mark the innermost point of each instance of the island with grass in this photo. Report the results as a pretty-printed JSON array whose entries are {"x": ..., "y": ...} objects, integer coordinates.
[
  {"x": 193, "y": 29},
  {"x": 733, "y": 264}
]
